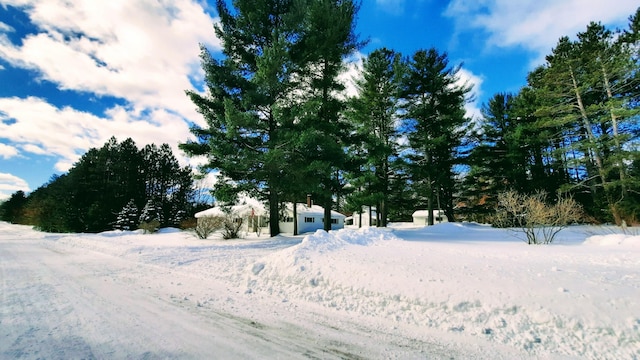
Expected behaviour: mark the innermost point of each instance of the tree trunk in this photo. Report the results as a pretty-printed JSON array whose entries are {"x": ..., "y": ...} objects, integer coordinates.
[
  {"x": 327, "y": 215},
  {"x": 274, "y": 226},
  {"x": 430, "y": 202},
  {"x": 614, "y": 125},
  {"x": 295, "y": 218}
]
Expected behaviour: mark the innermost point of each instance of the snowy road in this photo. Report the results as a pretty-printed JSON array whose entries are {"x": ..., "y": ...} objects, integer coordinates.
[
  {"x": 62, "y": 302},
  {"x": 66, "y": 305}
]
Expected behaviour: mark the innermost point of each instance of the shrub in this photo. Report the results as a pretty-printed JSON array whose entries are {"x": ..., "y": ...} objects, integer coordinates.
[
  {"x": 150, "y": 227},
  {"x": 231, "y": 227},
  {"x": 208, "y": 225},
  {"x": 533, "y": 217},
  {"x": 188, "y": 223}
]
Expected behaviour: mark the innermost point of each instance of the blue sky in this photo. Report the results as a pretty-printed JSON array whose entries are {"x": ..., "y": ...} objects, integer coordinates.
[{"x": 75, "y": 73}]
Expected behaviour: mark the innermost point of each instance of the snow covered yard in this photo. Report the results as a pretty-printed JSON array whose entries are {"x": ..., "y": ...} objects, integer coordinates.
[{"x": 448, "y": 291}]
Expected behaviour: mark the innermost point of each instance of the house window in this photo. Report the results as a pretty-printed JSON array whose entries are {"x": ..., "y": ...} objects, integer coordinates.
[
  {"x": 287, "y": 219},
  {"x": 309, "y": 219},
  {"x": 334, "y": 221}
]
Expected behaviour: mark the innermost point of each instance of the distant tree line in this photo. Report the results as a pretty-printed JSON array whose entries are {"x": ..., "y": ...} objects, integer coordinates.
[
  {"x": 117, "y": 186},
  {"x": 280, "y": 126}
]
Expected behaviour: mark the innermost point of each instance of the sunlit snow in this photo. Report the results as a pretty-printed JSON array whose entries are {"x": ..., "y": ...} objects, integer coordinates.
[{"x": 447, "y": 291}]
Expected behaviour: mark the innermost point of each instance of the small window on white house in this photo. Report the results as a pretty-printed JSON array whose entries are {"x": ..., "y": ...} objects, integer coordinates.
[
  {"x": 287, "y": 219},
  {"x": 334, "y": 221},
  {"x": 309, "y": 219}
]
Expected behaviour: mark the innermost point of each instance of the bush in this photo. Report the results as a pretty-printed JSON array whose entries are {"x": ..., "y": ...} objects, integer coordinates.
[
  {"x": 532, "y": 216},
  {"x": 188, "y": 224},
  {"x": 231, "y": 227},
  {"x": 208, "y": 225},
  {"x": 150, "y": 227}
]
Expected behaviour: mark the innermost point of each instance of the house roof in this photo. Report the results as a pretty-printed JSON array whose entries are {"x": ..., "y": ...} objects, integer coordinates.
[
  {"x": 314, "y": 210},
  {"x": 425, "y": 213},
  {"x": 249, "y": 206},
  {"x": 246, "y": 207}
]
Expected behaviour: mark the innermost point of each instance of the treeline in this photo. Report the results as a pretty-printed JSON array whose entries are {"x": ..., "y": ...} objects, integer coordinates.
[
  {"x": 573, "y": 129},
  {"x": 280, "y": 126},
  {"x": 117, "y": 186}
]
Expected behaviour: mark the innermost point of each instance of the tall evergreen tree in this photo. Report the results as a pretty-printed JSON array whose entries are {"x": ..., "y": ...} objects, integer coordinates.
[
  {"x": 434, "y": 111},
  {"x": 374, "y": 112},
  {"x": 249, "y": 91},
  {"x": 280, "y": 62},
  {"x": 327, "y": 39}
]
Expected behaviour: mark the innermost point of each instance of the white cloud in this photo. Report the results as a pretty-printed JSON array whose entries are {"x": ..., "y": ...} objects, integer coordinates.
[
  {"x": 535, "y": 25},
  {"x": 41, "y": 128},
  {"x": 7, "y": 151},
  {"x": 9, "y": 184},
  {"x": 466, "y": 77},
  {"x": 352, "y": 71},
  {"x": 143, "y": 51},
  {"x": 5, "y": 28}
]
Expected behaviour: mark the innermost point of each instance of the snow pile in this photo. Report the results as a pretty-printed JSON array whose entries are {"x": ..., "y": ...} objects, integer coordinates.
[
  {"x": 300, "y": 270},
  {"x": 468, "y": 279},
  {"x": 614, "y": 239}
]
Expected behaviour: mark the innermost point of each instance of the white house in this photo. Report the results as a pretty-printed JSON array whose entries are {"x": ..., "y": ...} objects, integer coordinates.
[
  {"x": 255, "y": 217},
  {"x": 360, "y": 219},
  {"x": 421, "y": 217},
  {"x": 309, "y": 217},
  {"x": 251, "y": 211}
]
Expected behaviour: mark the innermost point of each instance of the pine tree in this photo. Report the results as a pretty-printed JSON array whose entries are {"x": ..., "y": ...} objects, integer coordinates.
[
  {"x": 11, "y": 209},
  {"x": 150, "y": 212},
  {"x": 127, "y": 218},
  {"x": 435, "y": 115},
  {"x": 328, "y": 37},
  {"x": 279, "y": 68},
  {"x": 374, "y": 113},
  {"x": 250, "y": 90}
]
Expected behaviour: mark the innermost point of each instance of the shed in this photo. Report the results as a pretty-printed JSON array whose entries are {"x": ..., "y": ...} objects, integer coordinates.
[
  {"x": 421, "y": 217},
  {"x": 362, "y": 217}
]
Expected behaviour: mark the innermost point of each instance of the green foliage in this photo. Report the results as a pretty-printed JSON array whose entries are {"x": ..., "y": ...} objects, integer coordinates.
[
  {"x": 435, "y": 117},
  {"x": 11, "y": 210},
  {"x": 107, "y": 182},
  {"x": 374, "y": 114},
  {"x": 272, "y": 99},
  {"x": 127, "y": 218}
]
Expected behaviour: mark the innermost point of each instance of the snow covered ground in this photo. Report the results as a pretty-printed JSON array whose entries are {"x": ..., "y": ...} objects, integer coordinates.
[{"x": 451, "y": 291}]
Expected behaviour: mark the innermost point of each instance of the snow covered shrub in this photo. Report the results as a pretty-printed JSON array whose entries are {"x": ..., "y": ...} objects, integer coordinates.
[
  {"x": 150, "y": 212},
  {"x": 150, "y": 227},
  {"x": 533, "y": 217},
  {"x": 127, "y": 218},
  {"x": 208, "y": 225},
  {"x": 231, "y": 227}
]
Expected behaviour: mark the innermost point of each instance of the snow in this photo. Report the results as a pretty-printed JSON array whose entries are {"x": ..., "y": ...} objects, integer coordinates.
[{"x": 446, "y": 291}]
